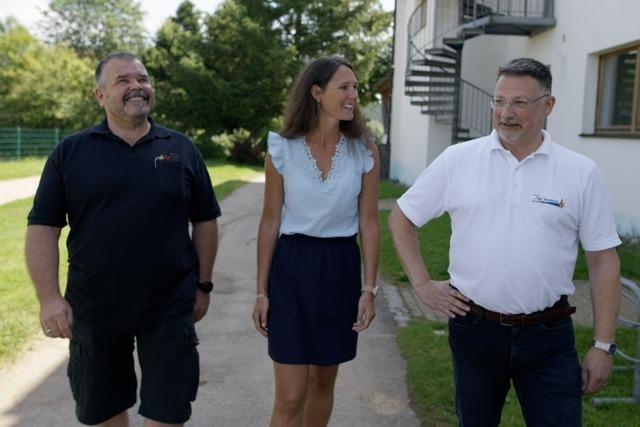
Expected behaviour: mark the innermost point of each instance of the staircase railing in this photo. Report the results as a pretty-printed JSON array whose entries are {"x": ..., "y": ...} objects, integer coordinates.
[
  {"x": 469, "y": 10},
  {"x": 473, "y": 103},
  {"x": 419, "y": 36},
  {"x": 416, "y": 35},
  {"x": 475, "y": 112}
]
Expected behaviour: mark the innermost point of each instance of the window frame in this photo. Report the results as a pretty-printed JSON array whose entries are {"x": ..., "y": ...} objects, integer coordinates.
[{"x": 634, "y": 127}]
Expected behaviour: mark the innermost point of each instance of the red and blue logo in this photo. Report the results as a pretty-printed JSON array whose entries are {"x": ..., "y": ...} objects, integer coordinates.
[{"x": 539, "y": 199}]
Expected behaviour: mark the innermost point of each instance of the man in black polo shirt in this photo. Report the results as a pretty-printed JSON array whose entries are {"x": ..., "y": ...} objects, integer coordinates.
[{"x": 128, "y": 189}]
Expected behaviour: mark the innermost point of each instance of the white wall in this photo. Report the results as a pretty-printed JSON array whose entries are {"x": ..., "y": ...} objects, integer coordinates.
[
  {"x": 481, "y": 57},
  {"x": 416, "y": 138}
]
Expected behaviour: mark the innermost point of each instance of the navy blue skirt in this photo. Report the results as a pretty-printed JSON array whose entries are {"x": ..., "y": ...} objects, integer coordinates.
[{"x": 314, "y": 288}]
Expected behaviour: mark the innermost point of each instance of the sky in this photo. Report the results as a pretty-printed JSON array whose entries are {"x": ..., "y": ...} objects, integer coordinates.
[{"x": 29, "y": 12}]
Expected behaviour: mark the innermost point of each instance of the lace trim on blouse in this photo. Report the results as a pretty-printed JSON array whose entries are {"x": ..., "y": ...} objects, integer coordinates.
[{"x": 311, "y": 165}]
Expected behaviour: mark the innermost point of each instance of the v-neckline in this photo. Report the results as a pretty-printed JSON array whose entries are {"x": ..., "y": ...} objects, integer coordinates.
[{"x": 314, "y": 162}]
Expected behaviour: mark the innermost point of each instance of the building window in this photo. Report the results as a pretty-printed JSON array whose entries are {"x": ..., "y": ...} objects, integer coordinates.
[{"x": 618, "y": 92}]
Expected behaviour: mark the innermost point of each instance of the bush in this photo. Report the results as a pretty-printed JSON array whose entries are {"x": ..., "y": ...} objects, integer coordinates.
[
  {"x": 246, "y": 148},
  {"x": 239, "y": 146},
  {"x": 209, "y": 146}
]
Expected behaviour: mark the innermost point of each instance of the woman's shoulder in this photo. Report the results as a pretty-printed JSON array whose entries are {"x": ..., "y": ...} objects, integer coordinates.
[{"x": 365, "y": 150}]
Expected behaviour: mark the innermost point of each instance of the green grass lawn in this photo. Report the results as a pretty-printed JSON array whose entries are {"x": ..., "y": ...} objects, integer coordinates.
[
  {"x": 19, "y": 313},
  {"x": 10, "y": 169},
  {"x": 19, "y": 307},
  {"x": 226, "y": 176},
  {"x": 390, "y": 189}
]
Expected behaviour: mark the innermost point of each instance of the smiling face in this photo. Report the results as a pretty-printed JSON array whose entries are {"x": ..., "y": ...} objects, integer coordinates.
[
  {"x": 338, "y": 99},
  {"x": 520, "y": 130},
  {"x": 124, "y": 91}
]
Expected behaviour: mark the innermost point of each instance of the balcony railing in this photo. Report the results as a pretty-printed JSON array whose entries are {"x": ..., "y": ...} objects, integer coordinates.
[{"x": 474, "y": 9}]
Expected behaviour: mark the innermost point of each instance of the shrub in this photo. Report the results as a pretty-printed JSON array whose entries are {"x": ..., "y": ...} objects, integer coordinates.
[{"x": 244, "y": 147}]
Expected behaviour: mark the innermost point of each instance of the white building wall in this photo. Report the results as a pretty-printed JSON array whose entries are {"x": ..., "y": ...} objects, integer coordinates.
[
  {"x": 408, "y": 127},
  {"x": 482, "y": 55}
]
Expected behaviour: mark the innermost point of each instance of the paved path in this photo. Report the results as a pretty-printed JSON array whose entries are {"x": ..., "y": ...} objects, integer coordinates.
[
  {"x": 236, "y": 373},
  {"x": 13, "y": 189}
]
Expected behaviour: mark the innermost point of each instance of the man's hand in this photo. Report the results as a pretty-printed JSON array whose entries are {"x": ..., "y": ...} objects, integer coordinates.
[
  {"x": 202, "y": 305},
  {"x": 56, "y": 317},
  {"x": 596, "y": 370},
  {"x": 438, "y": 295}
]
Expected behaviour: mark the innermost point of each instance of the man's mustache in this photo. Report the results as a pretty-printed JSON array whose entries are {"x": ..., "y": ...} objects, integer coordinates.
[{"x": 135, "y": 93}]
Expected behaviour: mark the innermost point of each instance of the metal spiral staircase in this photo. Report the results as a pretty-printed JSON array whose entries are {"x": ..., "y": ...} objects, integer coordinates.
[{"x": 432, "y": 79}]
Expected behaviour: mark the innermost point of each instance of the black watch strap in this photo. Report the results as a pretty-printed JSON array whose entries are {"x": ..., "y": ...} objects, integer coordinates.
[{"x": 205, "y": 286}]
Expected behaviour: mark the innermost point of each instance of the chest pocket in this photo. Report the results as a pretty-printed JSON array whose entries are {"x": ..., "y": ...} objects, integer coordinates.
[
  {"x": 555, "y": 215},
  {"x": 172, "y": 179}
]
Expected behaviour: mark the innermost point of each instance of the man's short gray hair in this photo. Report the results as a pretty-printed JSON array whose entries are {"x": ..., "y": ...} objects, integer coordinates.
[
  {"x": 528, "y": 67},
  {"x": 124, "y": 55}
]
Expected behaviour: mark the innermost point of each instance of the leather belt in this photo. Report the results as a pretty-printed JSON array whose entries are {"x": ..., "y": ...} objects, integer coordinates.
[{"x": 558, "y": 311}]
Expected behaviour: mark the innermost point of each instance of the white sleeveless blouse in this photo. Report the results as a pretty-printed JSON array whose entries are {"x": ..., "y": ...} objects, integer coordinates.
[{"x": 313, "y": 206}]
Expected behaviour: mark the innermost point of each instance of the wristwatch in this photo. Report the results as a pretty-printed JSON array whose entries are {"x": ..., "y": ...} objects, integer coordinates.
[
  {"x": 371, "y": 289},
  {"x": 609, "y": 347},
  {"x": 205, "y": 286}
]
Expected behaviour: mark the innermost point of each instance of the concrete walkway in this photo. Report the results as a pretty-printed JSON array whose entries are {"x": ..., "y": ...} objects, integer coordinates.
[
  {"x": 236, "y": 373},
  {"x": 20, "y": 188}
]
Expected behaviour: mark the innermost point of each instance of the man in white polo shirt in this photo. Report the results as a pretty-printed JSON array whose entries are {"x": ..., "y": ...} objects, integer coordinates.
[{"x": 519, "y": 204}]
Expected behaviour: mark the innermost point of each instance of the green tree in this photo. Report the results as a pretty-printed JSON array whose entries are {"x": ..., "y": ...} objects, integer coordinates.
[
  {"x": 42, "y": 85},
  {"x": 251, "y": 66},
  {"x": 218, "y": 72},
  {"x": 356, "y": 29},
  {"x": 230, "y": 70},
  {"x": 94, "y": 28},
  {"x": 180, "y": 78}
]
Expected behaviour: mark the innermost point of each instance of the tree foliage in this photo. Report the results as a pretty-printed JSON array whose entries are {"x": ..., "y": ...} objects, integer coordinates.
[
  {"x": 94, "y": 28},
  {"x": 231, "y": 69},
  {"x": 213, "y": 73},
  {"x": 41, "y": 85},
  {"x": 218, "y": 72},
  {"x": 358, "y": 30}
]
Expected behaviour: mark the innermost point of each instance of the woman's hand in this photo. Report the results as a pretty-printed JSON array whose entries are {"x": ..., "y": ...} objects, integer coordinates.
[
  {"x": 366, "y": 312},
  {"x": 260, "y": 310}
]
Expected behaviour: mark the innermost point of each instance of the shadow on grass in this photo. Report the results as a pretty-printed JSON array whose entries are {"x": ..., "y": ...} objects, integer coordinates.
[{"x": 225, "y": 188}]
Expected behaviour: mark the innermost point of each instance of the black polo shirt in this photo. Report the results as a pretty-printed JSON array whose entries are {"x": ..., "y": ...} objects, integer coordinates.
[{"x": 131, "y": 260}]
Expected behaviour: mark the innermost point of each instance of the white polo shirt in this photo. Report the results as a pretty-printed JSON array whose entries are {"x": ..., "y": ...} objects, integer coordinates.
[{"x": 515, "y": 225}]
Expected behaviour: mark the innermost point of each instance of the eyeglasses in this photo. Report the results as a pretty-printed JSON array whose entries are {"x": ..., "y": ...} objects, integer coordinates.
[{"x": 520, "y": 104}]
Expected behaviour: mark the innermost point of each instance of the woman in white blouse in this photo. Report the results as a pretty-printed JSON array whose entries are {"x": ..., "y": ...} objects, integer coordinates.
[{"x": 321, "y": 191}]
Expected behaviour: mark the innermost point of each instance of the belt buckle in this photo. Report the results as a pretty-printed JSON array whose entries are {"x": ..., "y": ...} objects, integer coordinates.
[{"x": 500, "y": 316}]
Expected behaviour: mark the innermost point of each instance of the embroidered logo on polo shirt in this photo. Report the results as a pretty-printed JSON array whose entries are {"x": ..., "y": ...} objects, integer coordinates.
[
  {"x": 545, "y": 200},
  {"x": 164, "y": 157}
]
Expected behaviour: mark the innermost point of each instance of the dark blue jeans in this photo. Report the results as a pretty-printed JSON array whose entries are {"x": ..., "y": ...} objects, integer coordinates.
[{"x": 540, "y": 360}]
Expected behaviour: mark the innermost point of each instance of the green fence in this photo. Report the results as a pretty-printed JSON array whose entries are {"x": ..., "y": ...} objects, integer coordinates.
[{"x": 16, "y": 143}]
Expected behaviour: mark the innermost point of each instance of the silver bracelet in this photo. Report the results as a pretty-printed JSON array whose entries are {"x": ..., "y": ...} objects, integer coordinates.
[{"x": 262, "y": 295}]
